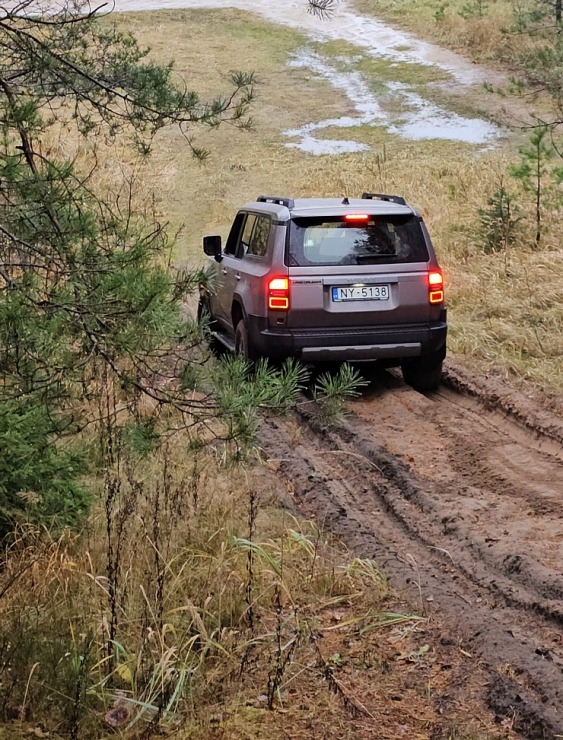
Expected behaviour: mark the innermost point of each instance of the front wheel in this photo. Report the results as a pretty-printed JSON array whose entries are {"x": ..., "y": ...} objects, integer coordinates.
[
  {"x": 423, "y": 373},
  {"x": 243, "y": 345},
  {"x": 208, "y": 325}
]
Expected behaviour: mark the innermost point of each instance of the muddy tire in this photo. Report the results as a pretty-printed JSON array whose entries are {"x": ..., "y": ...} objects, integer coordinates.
[
  {"x": 423, "y": 373},
  {"x": 242, "y": 343}
]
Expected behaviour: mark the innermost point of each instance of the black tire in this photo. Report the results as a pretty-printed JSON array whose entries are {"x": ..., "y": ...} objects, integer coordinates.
[
  {"x": 242, "y": 343},
  {"x": 423, "y": 373}
]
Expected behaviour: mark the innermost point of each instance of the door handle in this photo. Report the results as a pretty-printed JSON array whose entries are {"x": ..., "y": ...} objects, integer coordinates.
[
  {"x": 224, "y": 271},
  {"x": 237, "y": 276}
]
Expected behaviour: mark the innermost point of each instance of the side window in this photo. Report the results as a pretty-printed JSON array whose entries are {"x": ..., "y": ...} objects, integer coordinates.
[
  {"x": 246, "y": 236},
  {"x": 259, "y": 239},
  {"x": 249, "y": 235},
  {"x": 234, "y": 233}
]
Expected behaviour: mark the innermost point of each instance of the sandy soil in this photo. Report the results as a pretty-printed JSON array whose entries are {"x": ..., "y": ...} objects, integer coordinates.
[{"x": 458, "y": 495}]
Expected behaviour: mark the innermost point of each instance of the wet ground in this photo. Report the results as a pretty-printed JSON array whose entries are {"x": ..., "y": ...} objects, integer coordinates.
[
  {"x": 420, "y": 119},
  {"x": 398, "y": 107},
  {"x": 458, "y": 495},
  {"x": 344, "y": 24}
]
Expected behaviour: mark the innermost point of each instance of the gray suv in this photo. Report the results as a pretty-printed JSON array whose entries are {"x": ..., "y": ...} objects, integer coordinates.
[{"x": 326, "y": 279}]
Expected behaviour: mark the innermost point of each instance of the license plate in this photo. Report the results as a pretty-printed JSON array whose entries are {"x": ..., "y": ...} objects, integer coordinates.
[{"x": 361, "y": 293}]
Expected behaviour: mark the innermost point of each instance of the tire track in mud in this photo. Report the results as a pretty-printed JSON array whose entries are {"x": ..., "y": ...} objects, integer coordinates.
[{"x": 460, "y": 500}]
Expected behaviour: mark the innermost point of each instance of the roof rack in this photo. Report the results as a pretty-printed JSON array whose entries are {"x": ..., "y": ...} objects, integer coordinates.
[
  {"x": 381, "y": 196},
  {"x": 287, "y": 202}
]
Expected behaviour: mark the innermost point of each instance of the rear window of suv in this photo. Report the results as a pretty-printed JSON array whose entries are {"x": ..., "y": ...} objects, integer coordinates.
[{"x": 346, "y": 241}]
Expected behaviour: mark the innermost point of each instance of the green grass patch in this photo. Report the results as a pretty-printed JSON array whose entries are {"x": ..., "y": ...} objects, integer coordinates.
[
  {"x": 406, "y": 72},
  {"x": 345, "y": 57}
]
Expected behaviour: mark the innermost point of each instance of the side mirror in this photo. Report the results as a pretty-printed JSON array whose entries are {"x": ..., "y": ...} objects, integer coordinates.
[{"x": 212, "y": 247}]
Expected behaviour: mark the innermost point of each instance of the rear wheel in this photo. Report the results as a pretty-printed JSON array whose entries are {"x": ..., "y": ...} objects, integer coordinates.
[
  {"x": 243, "y": 345},
  {"x": 423, "y": 373}
]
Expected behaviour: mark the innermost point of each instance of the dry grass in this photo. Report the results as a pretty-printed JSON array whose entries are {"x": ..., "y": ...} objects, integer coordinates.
[
  {"x": 209, "y": 579},
  {"x": 204, "y": 630},
  {"x": 477, "y": 35},
  {"x": 505, "y": 308}
]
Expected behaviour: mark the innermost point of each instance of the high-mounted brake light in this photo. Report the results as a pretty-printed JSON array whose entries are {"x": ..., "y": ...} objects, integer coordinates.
[
  {"x": 278, "y": 294},
  {"x": 356, "y": 217},
  {"x": 436, "y": 286}
]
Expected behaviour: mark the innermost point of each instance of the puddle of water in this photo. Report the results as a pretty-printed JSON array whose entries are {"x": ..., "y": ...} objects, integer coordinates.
[
  {"x": 422, "y": 119},
  {"x": 311, "y": 145},
  {"x": 354, "y": 87},
  {"x": 428, "y": 121}
]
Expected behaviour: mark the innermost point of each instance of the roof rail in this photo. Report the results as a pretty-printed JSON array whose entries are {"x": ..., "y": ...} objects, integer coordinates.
[
  {"x": 381, "y": 196},
  {"x": 287, "y": 202}
]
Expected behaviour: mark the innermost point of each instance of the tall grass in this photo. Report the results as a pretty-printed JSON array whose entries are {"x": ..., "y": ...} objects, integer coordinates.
[
  {"x": 474, "y": 27},
  {"x": 138, "y": 628}
]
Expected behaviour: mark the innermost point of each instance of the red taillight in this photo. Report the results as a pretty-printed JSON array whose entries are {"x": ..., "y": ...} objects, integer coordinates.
[
  {"x": 356, "y": 217},
  {"x": 436, "y": 286},
  {"x": 278, "y": 294}
]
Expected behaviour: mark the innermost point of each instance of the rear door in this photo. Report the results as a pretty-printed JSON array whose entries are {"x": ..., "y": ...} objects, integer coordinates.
[
  {"x": 244, "y": 267},
  {"x": 229, "y": 271},
  {"x": 255, "y": 264},
  {"x": 357, "y": 271}
]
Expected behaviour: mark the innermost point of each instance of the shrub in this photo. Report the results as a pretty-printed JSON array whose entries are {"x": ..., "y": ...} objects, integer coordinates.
[{"x": 498, "y": 223}]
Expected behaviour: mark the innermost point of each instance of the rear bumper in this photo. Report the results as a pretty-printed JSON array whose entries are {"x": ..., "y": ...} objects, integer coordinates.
[{"x": 352, "y": 343}]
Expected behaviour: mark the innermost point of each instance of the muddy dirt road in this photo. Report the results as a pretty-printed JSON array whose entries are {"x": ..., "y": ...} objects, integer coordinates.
[{"x": 459, "y": 497}]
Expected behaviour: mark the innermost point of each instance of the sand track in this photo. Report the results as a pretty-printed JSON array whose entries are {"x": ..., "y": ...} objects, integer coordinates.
[{"x": 459, "y": 497}]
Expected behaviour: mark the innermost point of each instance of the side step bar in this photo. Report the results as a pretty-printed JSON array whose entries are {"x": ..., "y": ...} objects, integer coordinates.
[{"x": 225, "y": 340}]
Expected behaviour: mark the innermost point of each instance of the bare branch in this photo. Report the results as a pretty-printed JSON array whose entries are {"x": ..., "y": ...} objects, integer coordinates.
[{"x": 324, "y": 9}]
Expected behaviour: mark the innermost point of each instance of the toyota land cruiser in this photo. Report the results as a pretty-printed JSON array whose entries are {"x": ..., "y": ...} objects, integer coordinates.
[{"x": 327, "y": 279}]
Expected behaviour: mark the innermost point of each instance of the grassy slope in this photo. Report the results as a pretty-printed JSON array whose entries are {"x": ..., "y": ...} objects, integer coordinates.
[
  {"x": 359, "y": 658},
  {"x": 505, "y": 309}
]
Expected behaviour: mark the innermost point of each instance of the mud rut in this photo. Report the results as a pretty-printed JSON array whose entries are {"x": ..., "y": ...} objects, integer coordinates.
[{"x": 458, "y": 496}]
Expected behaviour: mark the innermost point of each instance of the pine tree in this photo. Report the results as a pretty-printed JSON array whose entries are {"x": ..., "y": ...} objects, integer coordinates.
[
  {"x": 91, "y": 314},
  {"x": 532, "y": 171},
  {"x": 85, "y": 287},
  {"x": 498, "y": 221}
]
